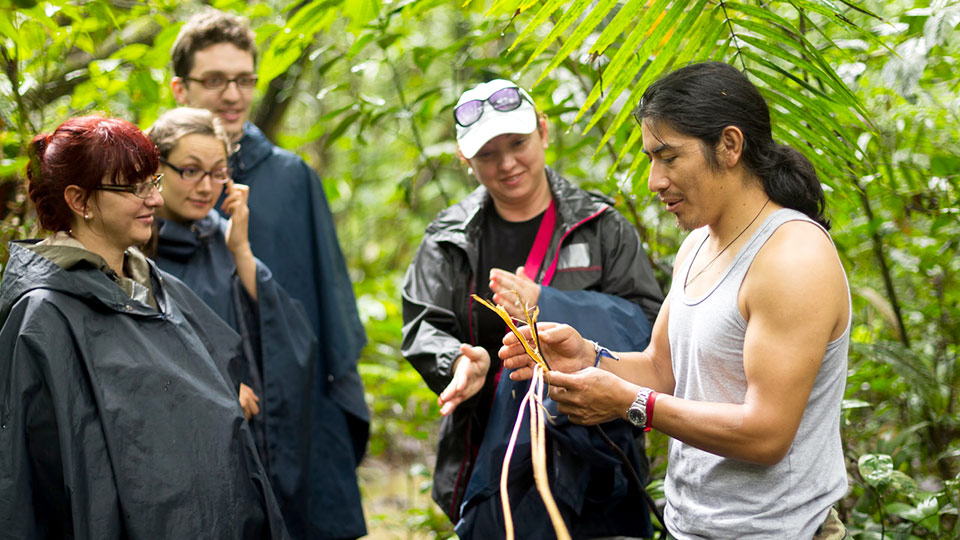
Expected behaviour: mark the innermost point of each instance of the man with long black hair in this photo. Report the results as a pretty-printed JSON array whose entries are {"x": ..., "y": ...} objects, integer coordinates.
[{"x": 746, "y": 367}]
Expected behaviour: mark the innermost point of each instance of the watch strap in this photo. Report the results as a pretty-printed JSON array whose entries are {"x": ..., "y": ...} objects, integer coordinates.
[{"x": 637, "y": 413}]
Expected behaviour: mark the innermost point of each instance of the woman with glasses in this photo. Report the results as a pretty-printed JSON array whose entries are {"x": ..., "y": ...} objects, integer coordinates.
[
  {"x": 526, "y": 236},
  {"x": 118, "y": 386},
  {"x": 212, "y": 256}
]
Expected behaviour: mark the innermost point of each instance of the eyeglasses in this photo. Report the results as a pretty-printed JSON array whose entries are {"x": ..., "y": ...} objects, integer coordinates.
[
  {"x": 196, "y": 174},
  {"x": 503, "y": 100},
  {"x": 142, "y": 190},
  {"x": 220, "y": 83}
]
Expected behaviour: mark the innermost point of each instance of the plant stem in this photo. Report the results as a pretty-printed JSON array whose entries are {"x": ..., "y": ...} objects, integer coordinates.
[
  {"x": 880, "y": 255},
  {"x": 415, "y": 130}
]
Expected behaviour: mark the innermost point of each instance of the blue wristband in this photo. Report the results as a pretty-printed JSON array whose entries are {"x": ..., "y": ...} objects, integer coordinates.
[{"x": 602, "y": 352}]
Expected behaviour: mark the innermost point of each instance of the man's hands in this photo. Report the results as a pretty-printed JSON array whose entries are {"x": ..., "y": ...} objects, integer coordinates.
[
  {"x": 591, "y": 396},
  {"x": 512, "y": 291},
  {"x": 469, "y": 374},
  {"x": 584, "y": 393},
  {"x": 560, "y": 344}
]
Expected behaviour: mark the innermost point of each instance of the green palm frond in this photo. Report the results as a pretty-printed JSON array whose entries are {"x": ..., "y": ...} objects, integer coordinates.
[{"x": 636, "y": 41}]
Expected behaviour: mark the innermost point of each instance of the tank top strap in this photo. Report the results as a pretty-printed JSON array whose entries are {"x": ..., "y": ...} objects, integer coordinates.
[
  {"x": 741, "y": 263},
  {"x": 737, "y": 270}
]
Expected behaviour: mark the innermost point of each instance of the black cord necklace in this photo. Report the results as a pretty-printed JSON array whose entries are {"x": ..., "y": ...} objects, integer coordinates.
[{"x": 717, "y": 256}]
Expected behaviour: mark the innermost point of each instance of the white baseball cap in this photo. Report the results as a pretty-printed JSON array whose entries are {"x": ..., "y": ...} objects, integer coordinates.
[{"x": 492, "y": 122}]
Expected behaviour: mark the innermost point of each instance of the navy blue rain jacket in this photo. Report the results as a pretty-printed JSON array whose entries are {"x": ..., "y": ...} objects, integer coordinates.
[
  {"x": 280, "y": 353},
  {"x": 292, "y": 232}
]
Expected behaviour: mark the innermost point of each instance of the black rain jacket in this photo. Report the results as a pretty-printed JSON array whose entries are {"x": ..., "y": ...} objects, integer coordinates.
[
  {"x": 616, "y": 287},
  {"x": 118, "y": 420}
]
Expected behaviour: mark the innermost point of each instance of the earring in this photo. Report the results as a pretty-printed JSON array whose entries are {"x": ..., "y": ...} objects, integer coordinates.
[{"x": 86, "y": 217}]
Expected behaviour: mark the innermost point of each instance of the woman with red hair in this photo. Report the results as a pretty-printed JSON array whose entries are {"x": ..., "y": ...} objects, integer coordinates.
[{"x": 118, "y": 387}]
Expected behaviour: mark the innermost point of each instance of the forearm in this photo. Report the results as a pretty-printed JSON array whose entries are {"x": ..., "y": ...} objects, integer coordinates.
[
  {"x": 639, "y": 369},
  {"x": 246, "y": 270},
  {"x": 429, "y": 349},
  {"x": 726, "y": 429},
  {"x": 431, "y": 332}
]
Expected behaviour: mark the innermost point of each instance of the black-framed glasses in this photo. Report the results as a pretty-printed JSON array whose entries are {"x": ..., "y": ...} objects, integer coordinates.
[
  {"x": 142, "y": 190},
  {"x": 220, "y": 83},
  {"x": 196, "y": 174},
  {"x": 503, "y": 100}
]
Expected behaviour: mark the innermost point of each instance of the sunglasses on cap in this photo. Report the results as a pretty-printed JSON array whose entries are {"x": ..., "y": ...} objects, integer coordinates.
[{"x": 503, "y": 100}]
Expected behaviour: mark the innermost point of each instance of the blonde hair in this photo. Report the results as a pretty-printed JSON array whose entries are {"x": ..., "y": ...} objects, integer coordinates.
[{"x": 176, "y": 124}]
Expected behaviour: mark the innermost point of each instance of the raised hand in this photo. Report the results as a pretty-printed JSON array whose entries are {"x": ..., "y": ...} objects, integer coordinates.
[
  {"x": 513, "y": 290},
  {"x": 235, "y": 206},
  {"x": 469, "y": 374},
  {"x": 238, "y": 242}
]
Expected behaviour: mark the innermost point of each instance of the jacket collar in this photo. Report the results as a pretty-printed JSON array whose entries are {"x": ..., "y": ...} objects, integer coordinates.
[
  {"x": 27, "y": 271},
  {"x": 180, "y": 241},
  {"x": 573, "y": 204},
  {"x": 461, "y": 222},
  {"x": 254, "y": 147}
]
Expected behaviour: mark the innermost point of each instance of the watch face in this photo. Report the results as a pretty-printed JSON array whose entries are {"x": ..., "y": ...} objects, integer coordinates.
[{"x": 637, "y": 416}]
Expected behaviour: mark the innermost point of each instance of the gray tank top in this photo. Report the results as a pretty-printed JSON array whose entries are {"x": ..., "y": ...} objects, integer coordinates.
[{"x": 709, "y": 496}]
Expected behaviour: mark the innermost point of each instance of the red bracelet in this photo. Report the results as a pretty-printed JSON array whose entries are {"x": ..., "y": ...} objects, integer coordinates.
[{"x": 650, "y": 400}]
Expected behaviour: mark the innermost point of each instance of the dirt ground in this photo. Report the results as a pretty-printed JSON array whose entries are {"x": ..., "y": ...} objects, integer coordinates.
[{"x": 394, "y": 501}]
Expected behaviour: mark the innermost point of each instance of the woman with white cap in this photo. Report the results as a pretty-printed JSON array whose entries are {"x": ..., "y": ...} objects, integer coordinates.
[{"x": 526, "y": 236}]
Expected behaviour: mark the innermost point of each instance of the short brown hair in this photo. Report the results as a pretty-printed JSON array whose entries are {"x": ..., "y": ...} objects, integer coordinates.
[{"x": 210, "y": 27}]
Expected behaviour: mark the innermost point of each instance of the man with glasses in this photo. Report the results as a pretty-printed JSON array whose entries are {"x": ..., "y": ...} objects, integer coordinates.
[
  {"x": 291, "y": 230},
  {"x": 525, "y": 236}
]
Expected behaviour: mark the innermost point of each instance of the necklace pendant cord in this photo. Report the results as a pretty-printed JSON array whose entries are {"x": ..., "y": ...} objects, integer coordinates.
[{"x": 717, "y": 256}]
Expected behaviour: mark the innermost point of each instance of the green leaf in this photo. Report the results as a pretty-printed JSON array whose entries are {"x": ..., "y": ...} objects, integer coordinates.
[
  {"x": 9, "y": 31},
  {"x": 580, "y": 33},
  {"x": 568, "y": 18},
  {"x": 359, "y": 44},
  {"x": 501, "y": 6},
  {"x": 773, "y": 28},
  {"x": 651, "y": 71},
  {"x": 627, "y": 15},
  {"x": 661, "y": 29},
  {"x": 626, "y": 149},
  {"x": 360, "y": 12},
  {"x": 877, "y": 470},
  {"x": 132, "y": 52},
  {"x": 791, "y": 98},
  {"x": 13, "y": 166},
  {"x": 854, "y": 404},
  {"x": 541, "y": 17},
  {"x": 341, "y": 128}
]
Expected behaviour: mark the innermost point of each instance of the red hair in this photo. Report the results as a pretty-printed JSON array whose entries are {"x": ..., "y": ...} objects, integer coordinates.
[{"x": 85, "y": 152}]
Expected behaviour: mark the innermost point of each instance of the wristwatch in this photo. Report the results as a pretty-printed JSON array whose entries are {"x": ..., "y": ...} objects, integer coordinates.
[{"x": 637, "y": 413}]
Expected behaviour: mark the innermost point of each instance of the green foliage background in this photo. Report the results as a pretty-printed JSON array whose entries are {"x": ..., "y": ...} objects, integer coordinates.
[{"x": 363, "y": 89}]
